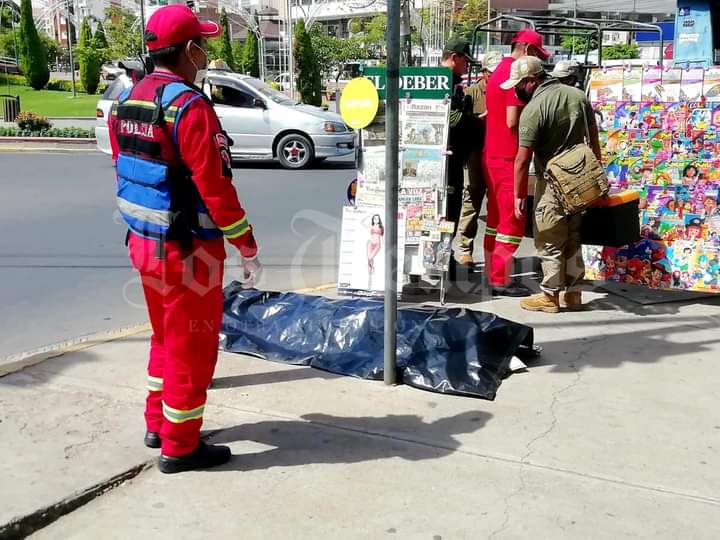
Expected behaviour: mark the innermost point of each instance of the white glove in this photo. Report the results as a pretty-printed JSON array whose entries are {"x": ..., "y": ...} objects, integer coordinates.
[{"x": 251, "y": 269}]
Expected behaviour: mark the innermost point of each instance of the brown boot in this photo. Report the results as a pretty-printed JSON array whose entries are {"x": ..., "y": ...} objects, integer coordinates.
[
  {"x": 546, "y": 303},
  {"x": 571, "y": 300}
]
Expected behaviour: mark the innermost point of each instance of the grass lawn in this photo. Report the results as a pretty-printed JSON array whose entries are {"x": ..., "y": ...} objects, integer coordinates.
[{"x": 52, "y": 103}]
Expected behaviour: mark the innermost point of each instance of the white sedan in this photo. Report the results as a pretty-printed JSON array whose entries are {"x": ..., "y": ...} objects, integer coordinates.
[{"x": 262, "y": 122}]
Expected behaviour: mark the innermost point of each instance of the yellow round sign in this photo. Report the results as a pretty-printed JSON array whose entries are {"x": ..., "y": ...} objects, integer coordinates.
[{"x": 359, "y": 103}]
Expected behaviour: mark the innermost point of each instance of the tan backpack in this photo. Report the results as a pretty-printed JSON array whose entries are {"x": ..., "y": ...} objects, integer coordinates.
[{"x": 577, "y": 178}]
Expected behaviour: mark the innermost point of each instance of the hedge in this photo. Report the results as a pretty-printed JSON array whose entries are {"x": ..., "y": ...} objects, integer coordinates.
[
  {"x": 53, "y": 84},
  {"x": 71, "y": 133},
  {"x": 15, "y": 80}
]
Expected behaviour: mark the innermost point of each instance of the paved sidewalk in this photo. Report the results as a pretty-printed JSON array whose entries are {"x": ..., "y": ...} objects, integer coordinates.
[{"x": 614, "y": 433}]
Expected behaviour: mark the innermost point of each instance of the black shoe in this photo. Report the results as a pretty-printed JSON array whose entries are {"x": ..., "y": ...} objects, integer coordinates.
[
  {"x": 511, "y": 291},
  {"x": 152, "y": 439},
  {"x": 204, "y": 457}
]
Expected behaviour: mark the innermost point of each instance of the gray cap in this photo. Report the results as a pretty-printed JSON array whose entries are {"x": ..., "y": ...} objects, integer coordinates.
[
  {"x": 564, "y": 68},
  {"x": 522, "y": 68},
  {"x": 492, "y": 60}
]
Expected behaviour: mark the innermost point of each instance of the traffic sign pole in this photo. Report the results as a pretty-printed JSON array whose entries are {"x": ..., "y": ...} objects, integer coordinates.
[{"x": 392, "y": 131}]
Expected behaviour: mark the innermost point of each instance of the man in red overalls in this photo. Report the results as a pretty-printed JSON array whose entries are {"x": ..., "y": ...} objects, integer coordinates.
[
  {"x": 175, "y": 193},
  {"x": 504, "y": 230}
]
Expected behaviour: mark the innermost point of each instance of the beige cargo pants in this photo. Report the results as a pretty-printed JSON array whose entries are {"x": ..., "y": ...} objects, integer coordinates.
[
  {"x": 473, "y": 194},
  {"x": 557, "y": 240}
]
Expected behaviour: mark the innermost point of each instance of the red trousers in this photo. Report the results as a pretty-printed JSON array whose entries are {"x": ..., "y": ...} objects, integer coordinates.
[
  {"x": 185, "y": 302},
  {"x": 504, "y": 231}
]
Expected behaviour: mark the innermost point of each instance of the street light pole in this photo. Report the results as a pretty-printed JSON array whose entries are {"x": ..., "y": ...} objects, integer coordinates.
[
  {"x": 142, "y": 26},
  {"x": 291, "y": 52},
  {"x": 70, "y": 51},
  {"x": 392, "y": 131}
]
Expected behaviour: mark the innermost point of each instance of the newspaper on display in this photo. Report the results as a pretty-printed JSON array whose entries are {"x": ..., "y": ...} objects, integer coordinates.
[{"x": 423, "y": 115}]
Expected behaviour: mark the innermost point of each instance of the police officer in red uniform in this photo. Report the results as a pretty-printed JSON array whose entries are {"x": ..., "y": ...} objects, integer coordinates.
[{"x": 175, "y": 192}]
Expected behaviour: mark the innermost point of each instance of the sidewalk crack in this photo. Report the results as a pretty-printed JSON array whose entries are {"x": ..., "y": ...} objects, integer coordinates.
[{"x": 529, "y": 447}]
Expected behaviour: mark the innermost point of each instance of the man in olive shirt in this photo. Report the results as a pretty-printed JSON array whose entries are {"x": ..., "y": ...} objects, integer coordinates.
[{"x": 556, "y": 118}]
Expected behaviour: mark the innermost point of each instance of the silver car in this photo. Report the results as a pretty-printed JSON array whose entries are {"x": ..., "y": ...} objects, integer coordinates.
[{"x": 265, "y": 123}]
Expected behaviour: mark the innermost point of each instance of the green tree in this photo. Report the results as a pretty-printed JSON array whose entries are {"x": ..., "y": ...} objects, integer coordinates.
[
  {"x": 33, "y": 57},
  {"x": 100, "y": 37},
  {"x": 468, "y": 16},
  {"x": 579, "y": 44},
  {"x": 8, "y": 39},
  {"x": 122, "y": 33},
  {"x": 6, "y": 17},
  {"x": 251, "y": 56},
  {"x": 331, "y": 52},
  {"x": 621, "y": 52},
  {"x": 309, "y": 80},
  {"x": 238, "y": 55},
  {"x": 226, "y": 50},
  {"x": 213, "y": 49},
  {"x": 91, "y": 56},
  {"x": 375, "y": 35}
]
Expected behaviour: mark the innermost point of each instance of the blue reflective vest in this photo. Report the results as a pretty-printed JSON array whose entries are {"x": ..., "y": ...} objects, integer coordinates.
[{"x": 156, "y": 195}]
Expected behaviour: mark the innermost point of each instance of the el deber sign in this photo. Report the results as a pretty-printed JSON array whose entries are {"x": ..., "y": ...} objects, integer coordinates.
[{"x": 420, "y": 83}]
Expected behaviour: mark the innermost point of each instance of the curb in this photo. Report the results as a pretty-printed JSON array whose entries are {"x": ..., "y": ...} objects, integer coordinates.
[
  {"x": 53, "y": 140},
  {"x": 17, "y": 362},
  {"x": 29, "y": 147}
]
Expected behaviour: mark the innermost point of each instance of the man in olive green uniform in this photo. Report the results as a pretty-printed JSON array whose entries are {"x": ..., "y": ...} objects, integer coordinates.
[
  {"x": 556, "y": 118},
  {"x": 475, "y": 177}
]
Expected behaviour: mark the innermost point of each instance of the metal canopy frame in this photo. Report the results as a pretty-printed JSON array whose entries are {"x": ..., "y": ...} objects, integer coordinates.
[{"x": 564, "y": 26}]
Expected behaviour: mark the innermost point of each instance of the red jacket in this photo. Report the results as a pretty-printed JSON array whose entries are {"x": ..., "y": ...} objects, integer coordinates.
[{"x": 205, "y": 150}]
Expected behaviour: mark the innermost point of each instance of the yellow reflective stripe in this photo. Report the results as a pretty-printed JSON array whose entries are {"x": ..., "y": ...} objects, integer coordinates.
[
  {"x": 490, "y": 231},
  {"x": 178, "y": 416},
  {"x": 154, "y": 384},
  {"x": 171, "y": 113},
  {"x": 455, "y": 117},
  {"x": 237, "y": 229},
  {"x": 507, "y": 239},
  {"x": 139, "y": 103}
]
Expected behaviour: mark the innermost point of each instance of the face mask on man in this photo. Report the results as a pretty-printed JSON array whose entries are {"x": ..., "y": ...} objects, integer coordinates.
[{"x": 201, "y": 72}]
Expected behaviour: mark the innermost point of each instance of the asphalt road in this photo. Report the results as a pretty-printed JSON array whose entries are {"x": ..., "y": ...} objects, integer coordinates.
[{"x": 64, "y": 270}]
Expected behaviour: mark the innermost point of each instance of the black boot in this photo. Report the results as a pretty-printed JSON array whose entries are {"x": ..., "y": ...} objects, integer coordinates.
[
  {"x": 203, "y": 457},
  {"x": 512, "y": 290},
  {"x": 152, "y": 439}
]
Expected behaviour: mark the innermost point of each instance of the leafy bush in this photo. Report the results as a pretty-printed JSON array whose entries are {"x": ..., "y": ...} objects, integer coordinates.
[
  {"x": 29, "y": 121},
  {"x": 66, "y": 86},
  {"x": 67, "y": 133},
  {"x": 14, "y": 80}
]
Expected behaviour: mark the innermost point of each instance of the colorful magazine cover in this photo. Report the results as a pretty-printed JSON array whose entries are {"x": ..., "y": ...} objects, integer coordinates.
[
  {"x": 605, "y": 112},
  {"x": 711, "y": 87},
  {"x": 606, "y": 84},
  {"x": 652, "y": 88},
  {"x": 691, "y": 85},
  {"x": 627, "y": 115},
  {"x": 671, "y": 84},
  {"x": 632, "y": 83}
]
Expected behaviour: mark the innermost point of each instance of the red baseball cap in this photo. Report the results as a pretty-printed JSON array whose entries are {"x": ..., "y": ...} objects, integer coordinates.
[
  {"x": 176, "y": 24},
  {"x": 531, "y": 37}
]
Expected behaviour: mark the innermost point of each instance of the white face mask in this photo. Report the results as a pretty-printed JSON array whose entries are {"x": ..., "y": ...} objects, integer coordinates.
[{"x": 200, "y": 74}]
